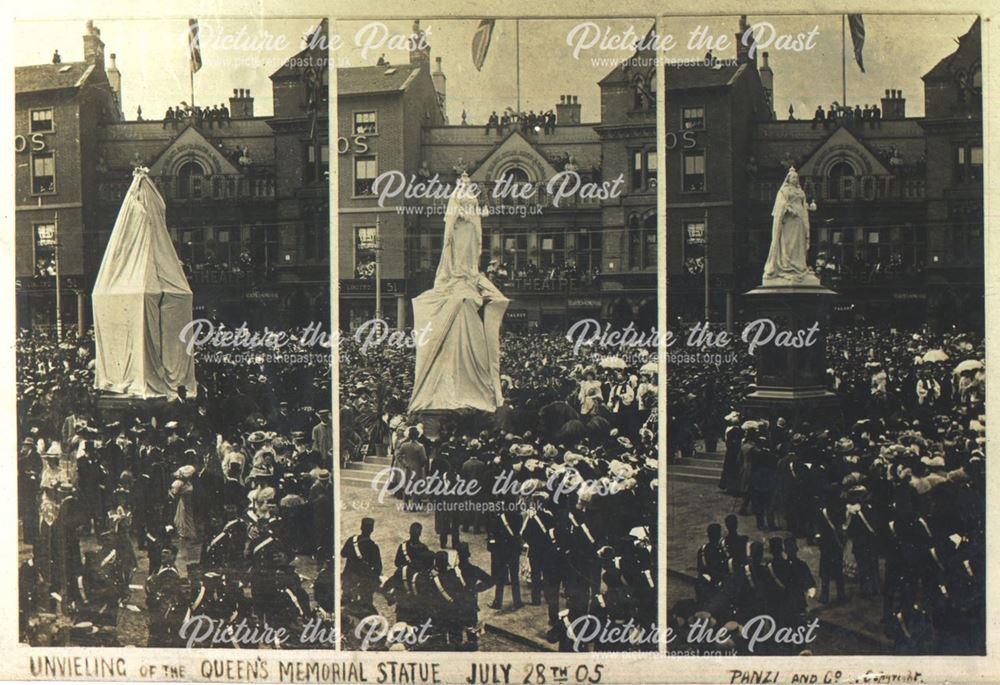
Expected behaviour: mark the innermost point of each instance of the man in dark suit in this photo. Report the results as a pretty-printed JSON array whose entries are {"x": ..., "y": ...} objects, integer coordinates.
[
  {"x": 409, "y": 550},
  {"x": 362, "y": 568},
  {"x": 504, "y": 545},
  {"x": 474, "y": 471}
]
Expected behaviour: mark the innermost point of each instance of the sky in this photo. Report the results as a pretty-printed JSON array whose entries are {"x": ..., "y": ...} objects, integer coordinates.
[
  {"x": 152, "y": 57},
  {"x": 548, "y": 66},
  {"x": 899, "y": 50}
]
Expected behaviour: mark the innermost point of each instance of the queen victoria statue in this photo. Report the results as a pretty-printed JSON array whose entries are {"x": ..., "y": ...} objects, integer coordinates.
[
  {"x": 458, "y": 360},
  {"x": 786, "y": 261}
]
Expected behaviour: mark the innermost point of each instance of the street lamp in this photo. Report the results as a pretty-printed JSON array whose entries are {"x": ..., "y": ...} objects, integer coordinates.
[
  {"x": 378, "y": 268},
  {"x": 55, "y": 238}
]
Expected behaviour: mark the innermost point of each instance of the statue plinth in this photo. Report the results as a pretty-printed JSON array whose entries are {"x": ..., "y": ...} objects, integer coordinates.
[{"x": 792, "y": 381}]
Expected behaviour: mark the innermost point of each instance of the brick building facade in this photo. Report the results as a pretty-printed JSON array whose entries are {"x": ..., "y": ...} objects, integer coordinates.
[
  {"x": 897, "y": 229},
  {"x": 558, "y": 260},
  {"x": 247, "y": 198}
]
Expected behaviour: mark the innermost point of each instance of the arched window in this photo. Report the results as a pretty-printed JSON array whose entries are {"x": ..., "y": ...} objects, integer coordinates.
[
  {"x": 841, "y": 181},
  {"x": 190, "y": 179},
  {"x": 515, "y": 174},
  {"x": 514, "y": 178}
]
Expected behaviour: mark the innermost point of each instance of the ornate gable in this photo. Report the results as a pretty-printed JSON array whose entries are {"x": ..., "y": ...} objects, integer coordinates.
[
  {"x": 191, "y": 145},
  {"x": 514, "y": 151},
  {"x": 843, "y": 146}
]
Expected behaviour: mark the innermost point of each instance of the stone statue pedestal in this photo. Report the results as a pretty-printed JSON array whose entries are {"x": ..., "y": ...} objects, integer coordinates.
[{"x": 792, "y": 381}]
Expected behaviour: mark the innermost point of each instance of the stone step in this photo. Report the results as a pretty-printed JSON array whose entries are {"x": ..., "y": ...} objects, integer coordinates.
[{"x": 686, "y": 477}]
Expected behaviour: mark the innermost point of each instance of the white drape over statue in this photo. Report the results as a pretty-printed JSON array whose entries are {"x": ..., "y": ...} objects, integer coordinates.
[
  {"x": 786, "y": 261},
  {"x": 142, "y": 301},
  {"x": 458, "y": 362}
]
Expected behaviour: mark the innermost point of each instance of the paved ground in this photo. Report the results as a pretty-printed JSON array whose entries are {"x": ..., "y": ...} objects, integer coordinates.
[
  {"x": 506, "y": 630},
  {"x": 694, "y": 501}
]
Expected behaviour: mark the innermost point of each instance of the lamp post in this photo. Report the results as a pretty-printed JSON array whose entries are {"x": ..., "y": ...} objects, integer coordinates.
[
  {"x": 708, "y": 306},
  {"x": 378, "y": 268},
  {"x": 55, "y": 238}
]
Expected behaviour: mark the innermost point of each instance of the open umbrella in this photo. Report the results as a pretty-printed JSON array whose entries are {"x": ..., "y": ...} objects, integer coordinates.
[
  {"x": 612, "y": 363},
  {"x": 968, "y": 365},
  {"x": 649, "y": 367},
  {"x": 936, "y": 356}
]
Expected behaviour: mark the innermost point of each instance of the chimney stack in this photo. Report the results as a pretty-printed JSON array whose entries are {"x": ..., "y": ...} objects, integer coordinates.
[
  {"x": 440, "y": 83},
  {"x": 568, "y": 110},
  {"x": 241, "y": 104},
  {"x": 115, "y": 81},
  {"x": 743, "y": 51},
  {"x": 893, "y": 104},
  {"x": 93, "y": 46},
  {"x": 420, "y": 52},
  {"x": 767, "y": 83}
]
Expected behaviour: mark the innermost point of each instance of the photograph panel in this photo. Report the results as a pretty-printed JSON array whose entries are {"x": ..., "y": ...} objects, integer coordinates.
[
  {"x": 497, "y": 220},
  {"x": 173, "y": 367},
  {"x": 826, "y": 392}
]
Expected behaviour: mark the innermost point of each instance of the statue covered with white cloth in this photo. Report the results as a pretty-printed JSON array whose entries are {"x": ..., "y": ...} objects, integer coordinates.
[{"x": 458, "y": 362}]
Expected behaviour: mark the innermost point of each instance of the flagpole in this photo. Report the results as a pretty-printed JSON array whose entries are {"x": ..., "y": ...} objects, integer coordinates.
[
  {"x": 517, "y": 46},
  {"x": 843, "y": 56}
]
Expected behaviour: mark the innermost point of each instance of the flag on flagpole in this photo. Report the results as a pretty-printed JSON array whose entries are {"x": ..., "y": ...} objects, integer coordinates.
[
  {"x": 194, "y": 45},
  {"x": 857, "y": 24},
  {"x": 481, "y": 42}
]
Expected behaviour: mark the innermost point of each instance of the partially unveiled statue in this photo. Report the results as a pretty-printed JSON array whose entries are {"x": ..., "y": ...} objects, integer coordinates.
[
  {"x": 786, "y": 261},
  {"x": 458, "y": 362}
]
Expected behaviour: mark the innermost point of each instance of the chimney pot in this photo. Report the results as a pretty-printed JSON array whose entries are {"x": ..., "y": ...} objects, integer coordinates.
[
  {"x": 899, "y": 94},
  {"x": 765, "y": 58},
  {"x": 235, "y": 92}
]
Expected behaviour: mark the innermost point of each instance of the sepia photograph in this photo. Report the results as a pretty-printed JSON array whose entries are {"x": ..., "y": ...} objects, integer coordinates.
[
  {"x": 174, "y": 438},
  {"x": 497, "y": 214},
  {"x": 826, "y": 401}
]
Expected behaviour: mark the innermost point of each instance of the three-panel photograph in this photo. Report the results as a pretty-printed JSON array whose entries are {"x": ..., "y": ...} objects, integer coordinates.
[{"x": 580, "y": 341}]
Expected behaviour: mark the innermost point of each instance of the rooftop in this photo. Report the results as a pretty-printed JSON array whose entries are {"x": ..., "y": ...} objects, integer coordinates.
[
  {"x": 378, "y": 79},
  {"x": 41, "y": 77}
]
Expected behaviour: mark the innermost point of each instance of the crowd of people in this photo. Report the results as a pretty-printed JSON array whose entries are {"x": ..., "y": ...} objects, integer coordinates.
[
  {"x": 849, "y": 116},
  {"x": 892, "y": 495},
  {"x": 565, "y": 496},
  {"x": 503, "y": 273},
  {"x": 216, "y": 504},
  {"x": 528, "y": 122},
  {"x": 216, "y": 115}
]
